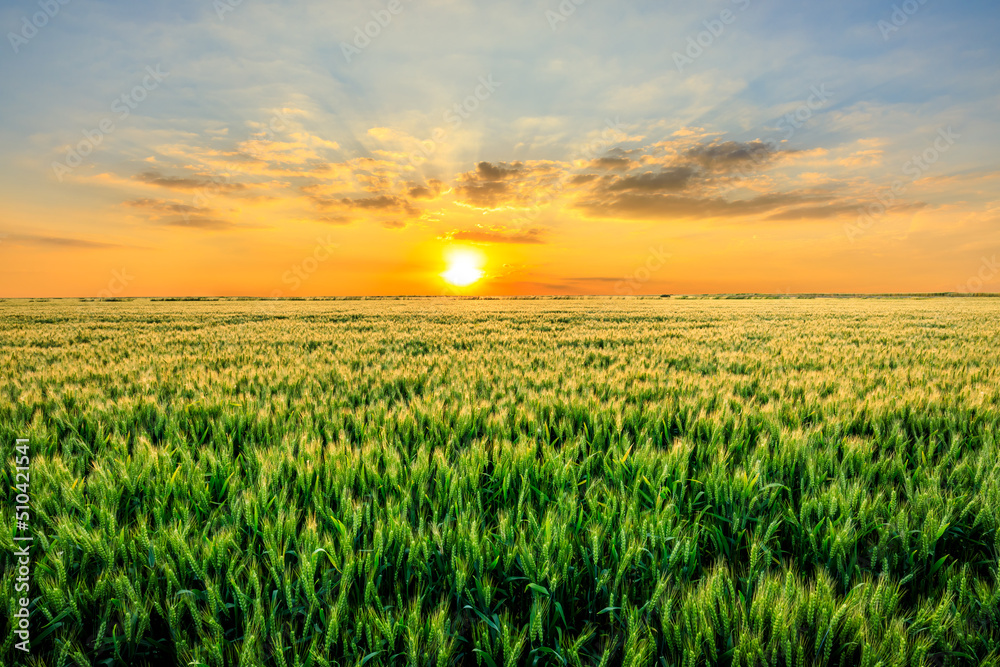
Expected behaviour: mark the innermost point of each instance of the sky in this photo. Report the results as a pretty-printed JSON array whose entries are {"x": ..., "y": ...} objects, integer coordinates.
[{"x": 440, "y": 147}]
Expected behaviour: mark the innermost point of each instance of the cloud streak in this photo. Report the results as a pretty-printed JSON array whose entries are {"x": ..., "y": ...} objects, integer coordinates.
[
  {"x": 498, "y": 235},
  {"x": 59, "y": 242}
]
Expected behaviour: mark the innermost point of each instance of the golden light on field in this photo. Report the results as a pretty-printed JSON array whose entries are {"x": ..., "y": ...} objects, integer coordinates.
[{"x": 464, "y": 267}]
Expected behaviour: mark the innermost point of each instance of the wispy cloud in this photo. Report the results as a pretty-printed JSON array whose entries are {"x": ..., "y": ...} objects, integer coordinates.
[
  {"x": 498, "y": 235},
  {"x": 181, "y": 183},
  {"x": 59, "y": 242}
]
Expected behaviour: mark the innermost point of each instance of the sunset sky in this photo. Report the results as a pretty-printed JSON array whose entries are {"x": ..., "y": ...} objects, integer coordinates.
[{"x": 255, "y": 147}]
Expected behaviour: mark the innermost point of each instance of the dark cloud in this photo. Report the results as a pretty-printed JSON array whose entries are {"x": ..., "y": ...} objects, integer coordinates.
[
  {"x": 492, "y": 185},
  {"x": 672, "y": 179},
  {"x": 163, "y": 206},
  {"x": 676, "y": 190},
  {"x": 381, "y": 203},
  {"x": 429, "y": 191},
  {"x": 174, "y": 183},
  {"x": 727, "y": 156},
  {"x": 526, "y": 236},
  {"x": 199, "y": 222},
  {"x": 57, "y": 242},
  {"x": 699, "y": 164},
  {"x": 487, "y": 171},
  {"x": 610, "y": 163},
  {"x": 485, "y": 195}
]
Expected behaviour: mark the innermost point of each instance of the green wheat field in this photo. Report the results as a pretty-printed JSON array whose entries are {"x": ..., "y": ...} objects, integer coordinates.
[{"x": 657, "y": 481}]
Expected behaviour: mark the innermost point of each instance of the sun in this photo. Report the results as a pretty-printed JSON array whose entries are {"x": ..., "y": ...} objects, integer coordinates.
[{"x": 463, "y": 267}]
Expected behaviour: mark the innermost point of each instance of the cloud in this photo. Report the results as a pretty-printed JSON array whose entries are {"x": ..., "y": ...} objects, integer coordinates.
[
  {"x": 193, "y": 217},
  {"x": 382, "y": 203},
  {"x": 488, "y": 186},
  {"x": 610, "y": 163},
  {"x": 58, "y": 242},
  {"x": 499, "y": 171},
  {"x": 163, "y": 206},
  {"x": 430, "y": 191},
  {"x": 673, "y": 179},
  {"x": 668, "y": 207},
  {"x": 497, "y": 235},
  {"x": 689, "y": 180},
  {"x": 485, "y": 195},
  {"x": 335, "y": 219},
  {"x": 726, "y": 156},
  {"x": 199, "y": 222},
  {"x": 837, "y": 210},
  {"x": 174, "y": 183},
  {"x": 493, "y": 185},
  {"x": 815, "y": 212}
]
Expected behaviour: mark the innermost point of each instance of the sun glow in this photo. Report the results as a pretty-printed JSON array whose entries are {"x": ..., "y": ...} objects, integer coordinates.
[{"x": 464, "y": 267}]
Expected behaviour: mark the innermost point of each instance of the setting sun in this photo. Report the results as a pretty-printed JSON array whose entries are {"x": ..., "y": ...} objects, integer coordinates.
[{"x": 464, "y": 267}]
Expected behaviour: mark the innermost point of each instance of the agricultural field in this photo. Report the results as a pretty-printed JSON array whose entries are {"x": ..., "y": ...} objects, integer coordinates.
[{"x": 675, "y": 482}]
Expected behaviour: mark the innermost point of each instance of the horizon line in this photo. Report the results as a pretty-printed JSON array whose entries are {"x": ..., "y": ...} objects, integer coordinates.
[{"x": 472, "y": 297}]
